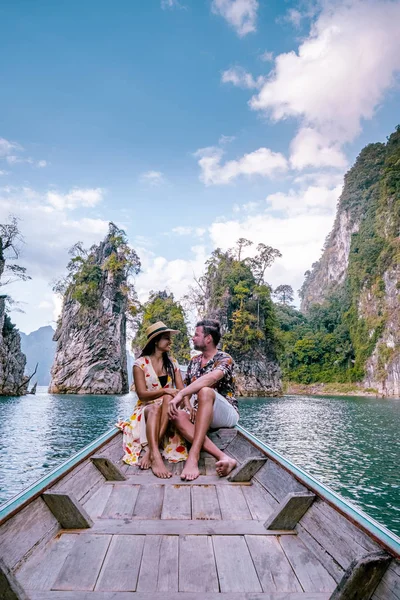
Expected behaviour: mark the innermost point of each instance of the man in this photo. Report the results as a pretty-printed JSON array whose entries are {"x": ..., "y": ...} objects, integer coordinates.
[{"x": 210, "y": 378}]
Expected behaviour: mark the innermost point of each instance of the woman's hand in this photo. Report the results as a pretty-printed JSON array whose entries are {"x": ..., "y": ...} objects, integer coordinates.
[{"x": 170, "y": 392}]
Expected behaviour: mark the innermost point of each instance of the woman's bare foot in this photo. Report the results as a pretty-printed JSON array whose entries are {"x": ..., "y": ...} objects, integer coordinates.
[
  {"x": 190, "y": 470},
  {"x": 145, "y": 461},
  {"x": 159, "y": 469},
  {"x": 225, "y": 465}
]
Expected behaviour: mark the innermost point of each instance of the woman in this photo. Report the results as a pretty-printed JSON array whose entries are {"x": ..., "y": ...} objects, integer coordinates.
[{"x": 157, "y": 379}]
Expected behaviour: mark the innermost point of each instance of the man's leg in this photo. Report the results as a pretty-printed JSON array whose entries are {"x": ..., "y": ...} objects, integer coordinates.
[{"x": 153, "y": 418}]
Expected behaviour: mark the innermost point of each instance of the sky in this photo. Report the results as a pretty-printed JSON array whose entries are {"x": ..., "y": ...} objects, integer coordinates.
[{"x": 189, "y": 124}]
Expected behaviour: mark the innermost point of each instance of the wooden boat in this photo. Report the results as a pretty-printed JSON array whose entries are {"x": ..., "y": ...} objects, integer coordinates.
[{"x": 95, "y": 528}]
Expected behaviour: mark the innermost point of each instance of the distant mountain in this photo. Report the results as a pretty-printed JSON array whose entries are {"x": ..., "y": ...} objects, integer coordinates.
[{"x": 39, "y": 347}]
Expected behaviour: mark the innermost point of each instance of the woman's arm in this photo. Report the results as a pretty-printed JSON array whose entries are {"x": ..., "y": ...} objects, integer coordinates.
[
  {"x": 142, "y": 391},
  {"x": 178, "y": 379}
]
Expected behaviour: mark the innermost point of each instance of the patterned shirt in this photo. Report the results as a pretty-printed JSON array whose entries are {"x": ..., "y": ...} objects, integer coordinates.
[{"x": 222, "y": 361}]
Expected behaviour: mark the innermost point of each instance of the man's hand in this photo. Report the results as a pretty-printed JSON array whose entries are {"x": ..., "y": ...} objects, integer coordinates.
[
  {"x": 190, "y": 409},
  {"x": 174, "y": 404}
]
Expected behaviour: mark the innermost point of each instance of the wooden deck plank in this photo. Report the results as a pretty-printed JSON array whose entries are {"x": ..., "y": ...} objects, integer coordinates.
[
  {"x": 197, "y": 569},
  {"x": 147, "y": 478},
  {"x": 180, "y": 527},
  {"x": 205, "y": 503},
  {"x": 168, "y": 567},
  {"x": 148, "y": 573},
  {"x": 177, "y": 503},
  {"x": 32, "y": 526},
  {"x": 120, "y": 569},
  {"x": 260, "y": 502},
  {"x": 273, "y": 568},
  {"x": 309, "y": 571},
  {"x": 389, "y": 587},
  {"x": 236, "y": 572},
  {"x": 176, "y": 596},
  {"x": 41, "y": 570},
  {"x": 82, "y": 565},
  {"x": 209, "y": 462},
  {"x": 320, "y": 552},
  {"x": 80, "y": 483},
  {"x": 232, "y": 503},
  {"x": 97, "y": 502},
  {"x": 277, "y": 481},
  {"x": 121, "y": 502},
  {"x": 149, "y": 502}
]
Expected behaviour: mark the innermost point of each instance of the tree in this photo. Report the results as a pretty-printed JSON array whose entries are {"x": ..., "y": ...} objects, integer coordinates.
[
  {"x": 240, "y": 244},
  {"x": 284, "y": 293},
  {"x": 10, "y": 241},
  {"x": 162, "y": 306},
  {"x": 264, "y": 259}
]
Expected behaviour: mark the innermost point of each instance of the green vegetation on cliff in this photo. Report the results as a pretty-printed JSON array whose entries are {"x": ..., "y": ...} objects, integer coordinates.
[
  {"x": 333, "y": 341},
  {"x": 162, "y": 307},
  {"x": 233, "y": 290}
]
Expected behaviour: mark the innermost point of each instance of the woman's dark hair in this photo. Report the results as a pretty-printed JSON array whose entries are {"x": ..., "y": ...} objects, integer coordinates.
[
  {"x": 168, "y": 366},
  {"x": 211, "y": 327}
]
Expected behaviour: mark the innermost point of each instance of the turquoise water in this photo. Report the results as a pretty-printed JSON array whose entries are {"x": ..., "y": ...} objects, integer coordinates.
[{"x": 349, "y": 444}]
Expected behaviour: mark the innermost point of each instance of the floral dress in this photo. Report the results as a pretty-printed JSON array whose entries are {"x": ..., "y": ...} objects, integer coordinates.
[{"x": 134, "y": 429}]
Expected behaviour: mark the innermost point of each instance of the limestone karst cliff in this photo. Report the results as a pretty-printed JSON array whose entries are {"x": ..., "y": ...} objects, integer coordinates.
[
  {"x": 361, "y": 262},
  {"x": 91, "y": 333},
  {"x": 13, "y": 382}
]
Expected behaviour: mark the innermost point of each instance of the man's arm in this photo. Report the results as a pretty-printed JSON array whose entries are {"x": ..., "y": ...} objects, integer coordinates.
[{"x": 207, "y": 380}]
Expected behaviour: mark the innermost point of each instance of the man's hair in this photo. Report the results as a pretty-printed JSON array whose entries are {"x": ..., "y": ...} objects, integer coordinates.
[{"x": 211, "y": 327}]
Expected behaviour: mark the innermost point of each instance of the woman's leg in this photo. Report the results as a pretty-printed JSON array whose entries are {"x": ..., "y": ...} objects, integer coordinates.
[
  {"x": 164, "y": 417},
  {"x": 153, "y": 419}
]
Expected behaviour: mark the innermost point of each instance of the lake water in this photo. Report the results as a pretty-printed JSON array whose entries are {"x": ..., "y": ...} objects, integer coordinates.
[{"x": 350, "y": 444}]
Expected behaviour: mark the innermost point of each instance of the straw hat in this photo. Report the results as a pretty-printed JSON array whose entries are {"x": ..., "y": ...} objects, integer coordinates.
[{"x": 153, "y": 330}]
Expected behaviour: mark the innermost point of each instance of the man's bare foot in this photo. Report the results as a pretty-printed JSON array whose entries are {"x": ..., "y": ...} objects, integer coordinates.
[
  {"x": 225, "y": 465},
  {"x": 145, "y": 461},
  {"x": 159, "y": 469},
  {"x": 190, "y": 470}
]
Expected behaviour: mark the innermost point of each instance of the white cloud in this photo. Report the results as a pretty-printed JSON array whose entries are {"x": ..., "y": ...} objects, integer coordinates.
[
  {"x": 41, "y": 164},
  {"x": 239, "y": 14},
  {"x": 153, "y": 178},
  {"x": 226, "y": 139},
  {"x": 170, "y": 4},
  {"x": 77, "y": 197},
  {"x": 293, "y": 16},
  {"x": 311, "y": 148},
  {"x": 263, "y": 162},
  {"x": 267, "y": 56},
  {"x": 185, "y": 230},
  {"x": 7, "y": 148},
  {"x": 337, "y": 78},
  {"x": 241, "y": 78},
  {"x": 3, "y": 173},
  {"x": 313, "y": 200}
]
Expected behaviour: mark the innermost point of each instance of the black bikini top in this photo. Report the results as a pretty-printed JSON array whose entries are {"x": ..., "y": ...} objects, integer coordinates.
[{"x": 163, "y": 380}]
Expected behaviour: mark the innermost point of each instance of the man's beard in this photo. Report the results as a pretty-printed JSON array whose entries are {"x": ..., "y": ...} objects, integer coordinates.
[{"x": 199, "y": 348}]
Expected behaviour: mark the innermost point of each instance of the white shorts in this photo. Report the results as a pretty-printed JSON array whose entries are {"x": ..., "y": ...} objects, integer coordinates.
[{"x": 225, "y": 415}]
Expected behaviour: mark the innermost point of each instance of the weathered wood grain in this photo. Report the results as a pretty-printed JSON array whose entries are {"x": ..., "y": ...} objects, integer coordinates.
[
  {"x": 149, "y": 479},
  {"x": 289, "y": 512},
  {"x": 184, "y": 527},
  {"x": 261, "y": 504},
  {"x": 241, "y": 449},
  {"x": 197, "y": 570},
  {"x": 32, "y": 526},
  {"x": 309, "y": 571},
  {"x": 362, "y": 577},
  {"x": 148, "y": 572},
  {"x": 67, "y": 510},
  {"x": 96, "y": 504},
  {"x": 174, "y": 596},
  {"x": 168, "y": 567},
  {"x": 82, "y": 565},
  {"x": 232, "y": 503},
  {"x": 41, "y": 570},
  {"x": 209, "y": 462},
  {"x": 340, "y": 538},
  {"x": 222, "y": 437},
  {"x": 10, "y": 588},
  {"x": 248, "y": 468},
  {"x": 273, "y": 568},
  {"x": 149, "y": 502},
  {"x": 121, "y": 502},
  {"x": 81, "y": 482},
  {"x": 236, "y": 572},
  {"x": 120, "y": 569},
  {"x": 205, "y": 503},
  {"x": 277, "y": 481},
  {"x": 389, "y": 587},
  {"x": 107, "y": 468},
  {"x": 177, "y": 503},
  {"x": 320, "y": 553}
]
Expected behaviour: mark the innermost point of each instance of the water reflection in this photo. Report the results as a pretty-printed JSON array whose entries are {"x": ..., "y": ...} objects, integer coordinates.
[{"x": 350, "y": 444}]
